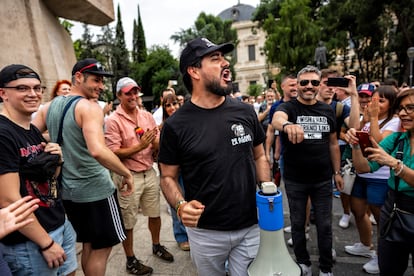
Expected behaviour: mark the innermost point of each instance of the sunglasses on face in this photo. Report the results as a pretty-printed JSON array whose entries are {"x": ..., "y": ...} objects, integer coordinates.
[
  {"x": 306, "y": 82},
  {"x": 171, "y": 104}
]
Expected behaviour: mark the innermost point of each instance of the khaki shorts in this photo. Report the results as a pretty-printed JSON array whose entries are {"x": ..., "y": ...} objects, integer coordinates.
[{"x": 146, "y": 196}]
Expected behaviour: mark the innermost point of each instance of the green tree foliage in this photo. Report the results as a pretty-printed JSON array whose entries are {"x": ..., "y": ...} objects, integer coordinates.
[
  {"x": 292, "y": 32},
  {"x": 105, "y": 48},
  {"x": 120, "y": 55},
  {"x": 154, "y": 74},
  {"x": 134, "y": 53},
  {"x": 141, "y": 45},
  {"x": 254, "y": 90},
  {"x": 66, "y": 24},
  {"x": 211, "y": 27},
  {"x": 377, "y": 32},
  {"x": 84, "y": 47}
]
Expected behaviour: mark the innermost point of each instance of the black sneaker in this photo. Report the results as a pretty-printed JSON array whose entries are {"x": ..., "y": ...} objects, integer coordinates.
[
  {"x": 137, "y": 268},
  {"x": 161, "y": 252}
]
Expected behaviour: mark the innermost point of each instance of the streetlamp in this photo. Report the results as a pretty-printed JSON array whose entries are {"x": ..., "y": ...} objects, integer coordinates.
[{"x": 410, "y": 54}]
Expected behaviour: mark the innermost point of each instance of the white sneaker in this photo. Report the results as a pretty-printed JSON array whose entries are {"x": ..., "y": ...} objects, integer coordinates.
[
  {"x": 290, "y": 241},
  {"x": 288, "y": 229},
  {"x": 372, "y": 219},
  {"x": 359, "y": 249},
  {"x": 306, "y": 270},
  {"x": 372, "y": 267},
  {"x": 344, "y": 221},
  {"x": 325, "y": 273}
]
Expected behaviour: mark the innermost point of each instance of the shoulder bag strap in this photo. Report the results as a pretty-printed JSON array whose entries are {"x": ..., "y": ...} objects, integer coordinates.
[
  {"x": 399, "y": 156},
  {"x": 60, "y": 138}
]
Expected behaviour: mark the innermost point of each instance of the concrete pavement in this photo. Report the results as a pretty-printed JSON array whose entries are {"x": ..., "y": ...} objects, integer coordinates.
[{"x": 182, "y": 265}]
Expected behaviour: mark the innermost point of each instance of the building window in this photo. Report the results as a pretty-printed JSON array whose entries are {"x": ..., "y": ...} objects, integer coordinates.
[
  {"x": 252, "y": 52},
  {"x": 252, "y": 82}
]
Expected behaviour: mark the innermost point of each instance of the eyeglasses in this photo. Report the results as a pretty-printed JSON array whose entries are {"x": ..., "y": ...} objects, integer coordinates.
[
  {"x": 26, "y": 89},
  {"x": 409, "y": 108},
  {"x": 306, "y": 82},
  {"x": 171, "y": 104},
  {"x": 98, "y": 66}
]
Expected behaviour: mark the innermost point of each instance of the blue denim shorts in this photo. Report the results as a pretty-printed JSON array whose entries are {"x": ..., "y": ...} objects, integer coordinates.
[
  {"x": 371, "y": 189},
  {"x": 26, "y": 259}
]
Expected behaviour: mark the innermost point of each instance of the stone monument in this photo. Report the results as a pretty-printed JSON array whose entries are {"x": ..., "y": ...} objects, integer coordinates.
[
  {"x": 320, "y": 55},
  {"x": 31, "y": 34}
]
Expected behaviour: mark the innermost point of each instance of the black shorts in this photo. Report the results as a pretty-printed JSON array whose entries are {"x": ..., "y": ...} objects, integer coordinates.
[{"x": 98, "y": 222}]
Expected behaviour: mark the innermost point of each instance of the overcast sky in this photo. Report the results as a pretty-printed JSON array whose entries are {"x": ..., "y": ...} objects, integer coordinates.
[{"x": 163, "y": 18}]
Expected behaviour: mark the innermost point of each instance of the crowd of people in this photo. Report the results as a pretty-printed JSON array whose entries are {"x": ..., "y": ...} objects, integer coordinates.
[{"x": 77, "y": 171}]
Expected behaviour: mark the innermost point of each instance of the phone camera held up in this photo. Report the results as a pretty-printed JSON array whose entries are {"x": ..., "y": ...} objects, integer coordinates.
[
  {"x": 338, "y": 82},
  {"x": 364, "y": 141}
]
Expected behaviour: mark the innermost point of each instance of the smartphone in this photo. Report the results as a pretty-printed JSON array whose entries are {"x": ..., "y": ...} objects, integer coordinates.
[
  {"x": 364, "y": 141},
  {"x": 339, "y": 82}
]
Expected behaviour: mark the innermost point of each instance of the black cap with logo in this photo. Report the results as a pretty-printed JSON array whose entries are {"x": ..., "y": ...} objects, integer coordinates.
[{"x": 198, "y": 48}]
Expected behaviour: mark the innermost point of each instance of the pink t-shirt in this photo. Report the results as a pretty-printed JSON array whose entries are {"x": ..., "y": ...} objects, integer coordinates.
[{"x": 120, "y": 133}]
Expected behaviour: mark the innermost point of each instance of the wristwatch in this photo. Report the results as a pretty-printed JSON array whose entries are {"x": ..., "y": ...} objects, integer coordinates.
[{"x": 285, "y": 124}]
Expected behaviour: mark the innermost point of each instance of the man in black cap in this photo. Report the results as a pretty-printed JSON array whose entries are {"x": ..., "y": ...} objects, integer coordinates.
[
  {"x": 46, "y": 246},
  {"x": 88, "y": 192},
  {"x": 216, "y": 143}
]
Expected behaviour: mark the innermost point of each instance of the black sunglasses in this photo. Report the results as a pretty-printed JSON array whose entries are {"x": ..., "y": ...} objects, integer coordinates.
[
  {"x": 171, "y": 104},
  {"x": 306, "y": 82}
]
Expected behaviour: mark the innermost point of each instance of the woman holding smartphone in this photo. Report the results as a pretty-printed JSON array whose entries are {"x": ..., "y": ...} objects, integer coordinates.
[
  {"x": 370, "y": 189},
  {"x": 393, "y": 256}
]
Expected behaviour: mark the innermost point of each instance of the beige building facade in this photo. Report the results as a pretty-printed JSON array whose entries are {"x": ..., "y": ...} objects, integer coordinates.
[{"x": 251, "y": 66}]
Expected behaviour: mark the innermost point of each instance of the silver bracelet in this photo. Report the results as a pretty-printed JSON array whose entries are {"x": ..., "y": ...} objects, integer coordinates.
[{"x": 400, "y": 170}]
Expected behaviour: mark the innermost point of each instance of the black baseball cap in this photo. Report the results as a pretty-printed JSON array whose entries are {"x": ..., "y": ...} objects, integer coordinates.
[
  {"x": 198, "y": 48},
  {"x": 92, "y": 66},
  {"x": 16, "y": 71}
]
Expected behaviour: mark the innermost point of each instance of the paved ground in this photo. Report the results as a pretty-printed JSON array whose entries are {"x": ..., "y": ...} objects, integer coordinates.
[{"x": 345, "y": 264}]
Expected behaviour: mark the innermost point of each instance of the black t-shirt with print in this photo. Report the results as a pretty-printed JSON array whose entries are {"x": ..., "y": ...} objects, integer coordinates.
[
  {"x": 309, "y": 160},
  {"x": 214, "y": 149},
  {"x": 18, "y": 146}
]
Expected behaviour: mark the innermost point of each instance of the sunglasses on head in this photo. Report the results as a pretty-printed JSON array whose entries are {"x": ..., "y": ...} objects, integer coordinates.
[
  {"x": 98, "y": 66},
  {"x": 306, "y": 82}
]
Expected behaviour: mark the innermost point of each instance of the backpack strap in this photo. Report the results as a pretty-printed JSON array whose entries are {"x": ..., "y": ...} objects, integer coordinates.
[{"x": 65, "y": 110}]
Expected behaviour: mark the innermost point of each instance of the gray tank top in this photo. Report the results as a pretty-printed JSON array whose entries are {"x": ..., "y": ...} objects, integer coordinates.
[{"x": 84, "y": 179}]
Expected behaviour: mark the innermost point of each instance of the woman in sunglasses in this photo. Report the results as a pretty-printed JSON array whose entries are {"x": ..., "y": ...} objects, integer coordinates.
[{"x": 170, "y": 104}]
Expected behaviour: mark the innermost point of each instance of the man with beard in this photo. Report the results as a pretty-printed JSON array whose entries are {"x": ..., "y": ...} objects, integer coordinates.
[
  {"x": 216, "y": 143},
  {"x": 311, "y": 157}
]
